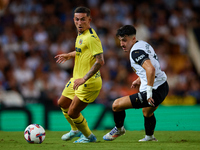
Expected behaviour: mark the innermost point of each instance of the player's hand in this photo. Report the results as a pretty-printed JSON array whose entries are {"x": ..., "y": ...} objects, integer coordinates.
[
  {"x": 151, "y": 101},
  {"x": 61, "y": 58},
  {"x": 149, "y": 96},
  {"x": 78, "y": 82},
  {"x": 135, "y": 84}
]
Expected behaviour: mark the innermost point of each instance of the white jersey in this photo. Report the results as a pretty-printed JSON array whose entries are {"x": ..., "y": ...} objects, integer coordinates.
[{"x": 140, "y": 52}]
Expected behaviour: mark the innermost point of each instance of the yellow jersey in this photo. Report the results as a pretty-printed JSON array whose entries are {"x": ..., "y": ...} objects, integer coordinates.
[{"x": 87, "y": 46}]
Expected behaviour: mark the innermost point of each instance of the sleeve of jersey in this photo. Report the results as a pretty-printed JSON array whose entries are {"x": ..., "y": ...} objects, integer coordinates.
[
  {"x": 94, "y": 44},
  {"x": 139, "y": 56}
]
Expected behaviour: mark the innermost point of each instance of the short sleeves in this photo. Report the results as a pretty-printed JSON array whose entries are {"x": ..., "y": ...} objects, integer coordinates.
[
  {"x": 139, "y": 56},
  {"x": 94, "y": 45}
]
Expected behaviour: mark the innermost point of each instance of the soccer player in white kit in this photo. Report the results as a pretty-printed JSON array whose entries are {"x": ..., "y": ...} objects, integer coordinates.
[{"x": 152, "y": 83}]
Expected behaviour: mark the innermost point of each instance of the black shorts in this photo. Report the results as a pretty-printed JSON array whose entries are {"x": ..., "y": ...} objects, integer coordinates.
[{"x": 139, "y": 100}]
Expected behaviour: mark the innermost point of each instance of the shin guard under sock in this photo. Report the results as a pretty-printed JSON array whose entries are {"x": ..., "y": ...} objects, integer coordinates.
[
  {"x": 73, "y": 126},
  {"x": 149, "y": 123},
  {"x": 82, "y": 125},
  {"x": 119, "y": 118}
]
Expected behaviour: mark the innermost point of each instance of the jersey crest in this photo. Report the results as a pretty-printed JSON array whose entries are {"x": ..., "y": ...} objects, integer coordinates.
[{"x": 80, "y": 41}]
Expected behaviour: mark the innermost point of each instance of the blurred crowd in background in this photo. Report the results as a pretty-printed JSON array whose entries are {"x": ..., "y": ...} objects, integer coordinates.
[{"x": 32, "y": 32}]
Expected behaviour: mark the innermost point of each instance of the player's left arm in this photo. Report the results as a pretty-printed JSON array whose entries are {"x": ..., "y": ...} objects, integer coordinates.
[
  {"x": 97, "y": 65},
  {"x": 142, "y": 58},
  {"x": 150, "y": 74}
]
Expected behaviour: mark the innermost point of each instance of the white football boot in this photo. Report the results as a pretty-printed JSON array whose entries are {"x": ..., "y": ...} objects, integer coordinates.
[
  {"x": 114, "y": 133},
  {"x": 148, "y": 138}
]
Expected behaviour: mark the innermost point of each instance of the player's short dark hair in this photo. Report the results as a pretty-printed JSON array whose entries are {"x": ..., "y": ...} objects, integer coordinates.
[
  {"x": 126, "y": 30},
  {"x": 82, "y": 9}
]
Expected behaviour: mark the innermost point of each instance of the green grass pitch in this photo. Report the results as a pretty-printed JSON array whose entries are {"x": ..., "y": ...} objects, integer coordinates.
[{"x": 167, "y": 140}]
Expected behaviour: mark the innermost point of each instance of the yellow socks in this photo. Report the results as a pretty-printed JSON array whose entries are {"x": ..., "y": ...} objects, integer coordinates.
[
  {"x": 73, "y": 126},
  {"x": 82, "y": 125},
  {"x": 79, "y": 123}
]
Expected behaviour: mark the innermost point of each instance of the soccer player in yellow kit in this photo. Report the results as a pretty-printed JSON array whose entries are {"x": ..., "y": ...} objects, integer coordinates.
[{"x": 85, "y": 85}]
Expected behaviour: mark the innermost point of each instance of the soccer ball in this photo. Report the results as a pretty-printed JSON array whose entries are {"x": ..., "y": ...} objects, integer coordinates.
[{"x": 34, "y": 133}]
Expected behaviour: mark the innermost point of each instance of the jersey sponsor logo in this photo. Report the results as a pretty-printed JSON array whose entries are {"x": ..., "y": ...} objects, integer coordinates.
[
  {"x": 78, "y": 49},
  {"x": 97, "y": 74},
  {"x": 140, "y": 57},
  {"x": 80, "y": 41},
  {"x": 147, "y": 46}
]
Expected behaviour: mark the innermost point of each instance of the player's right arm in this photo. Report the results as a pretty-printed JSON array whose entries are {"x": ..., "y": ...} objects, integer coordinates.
[{"x": 61, "y": 58}]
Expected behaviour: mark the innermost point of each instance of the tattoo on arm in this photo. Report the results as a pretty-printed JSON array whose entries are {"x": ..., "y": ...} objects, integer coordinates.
[
  {"x": 72, "y": 54},
  {"x": 97, "y": 65}
]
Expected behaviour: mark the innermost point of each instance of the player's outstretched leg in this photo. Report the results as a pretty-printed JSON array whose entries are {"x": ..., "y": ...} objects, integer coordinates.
[
  {"x": 114, "y": 133},
  {"x": 148, "y": 138},
  {"x": 70, "y": 135}
]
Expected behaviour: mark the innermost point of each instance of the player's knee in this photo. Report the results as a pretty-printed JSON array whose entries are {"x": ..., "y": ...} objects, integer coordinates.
[
  {"x": 59, "y": 103},
  {"x": 115, "y": 106},
  {"x": 146, "y": 113},
  {"x": 62, "y": 103},
  {"x": 72, "y": 114}
]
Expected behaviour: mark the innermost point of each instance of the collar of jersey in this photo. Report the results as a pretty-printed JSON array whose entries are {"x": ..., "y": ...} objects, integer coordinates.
[{"x": 84, "y": 31}]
